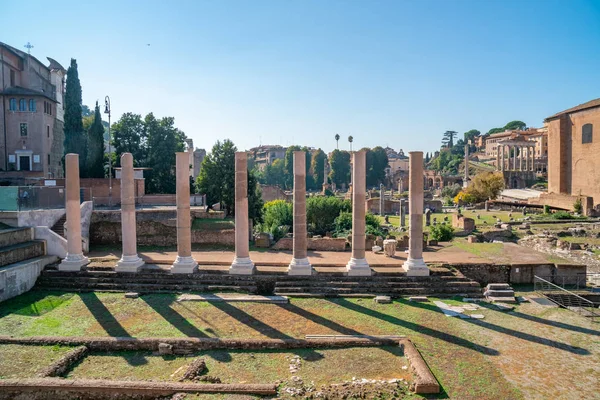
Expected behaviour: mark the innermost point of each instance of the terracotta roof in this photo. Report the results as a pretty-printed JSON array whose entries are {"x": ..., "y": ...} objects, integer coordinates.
[
  {"x": 590, "y": 104},
  {"x": 21, "y": 91}
]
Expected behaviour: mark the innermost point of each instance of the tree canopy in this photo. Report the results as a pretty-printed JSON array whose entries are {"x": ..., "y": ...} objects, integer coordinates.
[
  {"x": 377, "y": 162},
  {"x": 95, "y": 153},
  {"x": 340, "y": 167},
  {"x": 448, "y": 139},
  {"x": 217, "y": 180},
  {"x": 75, "y": 135}
]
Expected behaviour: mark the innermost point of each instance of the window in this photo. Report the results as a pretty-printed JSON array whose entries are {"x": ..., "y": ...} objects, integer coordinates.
[
  {"x": 32, "y": 105},
  {"x": 586, "y": 134},
  {"x": 48, "y": 159},
  {"x": 48, "y": 130},
  {"x": 23, "y": 129},
  {"x": 12, "y": 104},
  {"x": 22, "y": 105}
]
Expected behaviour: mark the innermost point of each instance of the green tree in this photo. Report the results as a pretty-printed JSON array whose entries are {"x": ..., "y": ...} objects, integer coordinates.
[
  {"x": 274, "y": 173},
  {"x": 494, "y": 130},
  {"x": 470, "y": 135},
  {"x": 75, "y": 137},
  {"x": 217, "y": 181},
  {"x": 448, "y": 139},
  {"x": 164, "y": 140},
  {"x": 289, "y": 166},
  {"x": 321, "y": 212},
  {"x": 317, "y": 166},
  {"x": 95, "y": 161},
  {"x": 515, "y": 125},
  {"x": 217, "y": 175},
  {"x": 340, "y": 167},
  {"x": 377, "y": 162},
  {"x": 129, "y": 136},
  {"x": 337, "y": 141}
]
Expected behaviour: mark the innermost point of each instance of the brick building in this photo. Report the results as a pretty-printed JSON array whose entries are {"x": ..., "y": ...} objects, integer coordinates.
[
  {"x": 265, "y": 155},
  {"x": 32, "y": 117},
  {"x": 573, "y": 149}
]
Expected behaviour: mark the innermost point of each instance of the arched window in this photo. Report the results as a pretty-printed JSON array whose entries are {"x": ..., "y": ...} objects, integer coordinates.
[
  {"x": 32, "y": 105},
  {"x": 586, "y": 134},
  {"x": 22, "y": 105},
  {"x": 12, "y": 104}
]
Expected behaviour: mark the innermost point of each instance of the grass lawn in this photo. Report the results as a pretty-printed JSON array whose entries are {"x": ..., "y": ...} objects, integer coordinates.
[
  {"x": 242, "y": 366},
  {"x": 26, "y": 361},
  {"x": 472, "y": 359},
  {"x": 493, "y": 251}
]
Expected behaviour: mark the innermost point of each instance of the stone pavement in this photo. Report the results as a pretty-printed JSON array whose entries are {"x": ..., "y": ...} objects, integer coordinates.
[{"x": 269, "y": 260}]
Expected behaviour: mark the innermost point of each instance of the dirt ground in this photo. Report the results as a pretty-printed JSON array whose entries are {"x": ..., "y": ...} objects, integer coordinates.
[{"x": 515, "y": 355}]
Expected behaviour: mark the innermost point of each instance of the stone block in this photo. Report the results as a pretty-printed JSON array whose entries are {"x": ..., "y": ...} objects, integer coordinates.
[
  {"x": 472, "y": 239},
  {"x": 132, "y": 295},
  {"x": 383, "y": 299},
  {"x": 262, "y": 240},
  {"x": 418, "y": 298},
  {"x": 165, "y": 349}
]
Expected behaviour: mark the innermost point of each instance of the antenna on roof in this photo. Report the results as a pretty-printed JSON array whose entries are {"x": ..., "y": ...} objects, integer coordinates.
[{"x": 28, "y": 46}]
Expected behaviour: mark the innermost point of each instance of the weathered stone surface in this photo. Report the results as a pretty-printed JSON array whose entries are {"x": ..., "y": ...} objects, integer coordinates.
[
  {"x": 132, "y": 295},
  {"x": 383, "y": 299},
  {"x": 165, "y": 349}
]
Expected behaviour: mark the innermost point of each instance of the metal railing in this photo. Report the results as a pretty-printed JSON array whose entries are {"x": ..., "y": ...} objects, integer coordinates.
[
  {"x": 565, "y": 298},
  {"x": 569, "y": 282}
]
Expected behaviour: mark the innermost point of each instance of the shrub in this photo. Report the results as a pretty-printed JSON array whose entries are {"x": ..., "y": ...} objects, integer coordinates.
[
  {"x": 546, "y": 209},
  {"x": 451, "y": 191},
  {"x": 441, "y": 233},
  {"x": 562, "y": 215},
  {"x": 343, "y": 225},
  {"x": 322, "y": 211},
  {"x": 277, "y": 218},
  {"x": 578, "y": 207}
]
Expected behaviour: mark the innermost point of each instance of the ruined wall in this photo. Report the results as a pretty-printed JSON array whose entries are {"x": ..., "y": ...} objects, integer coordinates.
[{"x": 318, "y": 244}]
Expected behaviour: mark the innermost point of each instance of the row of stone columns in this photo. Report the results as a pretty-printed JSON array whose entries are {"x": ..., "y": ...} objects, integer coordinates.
[
  {"x": 522, "y": 159},
  {"x": 242, "y": 264}
]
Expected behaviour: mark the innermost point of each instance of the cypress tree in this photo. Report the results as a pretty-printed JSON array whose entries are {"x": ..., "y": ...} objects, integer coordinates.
[
  {"x": 95, "y": 157},
  {"x": 75, "y": 137}
]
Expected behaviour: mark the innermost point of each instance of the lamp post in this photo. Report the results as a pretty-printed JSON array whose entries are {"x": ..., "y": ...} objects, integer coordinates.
[{"x": 107, "y": 111}]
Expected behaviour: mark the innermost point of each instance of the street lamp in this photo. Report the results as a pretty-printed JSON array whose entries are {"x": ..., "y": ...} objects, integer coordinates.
[{"x": 107, "y": 111}]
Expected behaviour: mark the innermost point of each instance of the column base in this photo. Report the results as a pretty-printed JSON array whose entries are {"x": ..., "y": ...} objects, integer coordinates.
[
  {"x": 358, "y": 267},
  {"x": 129, "y": 264},
  {"x": 242, "y": 266},
  {"x": 184, "y": 265},
  {"x": 300, "y": 266},
  {"x": 415, "y": 267},
  {"x": 73, "y": 262}
]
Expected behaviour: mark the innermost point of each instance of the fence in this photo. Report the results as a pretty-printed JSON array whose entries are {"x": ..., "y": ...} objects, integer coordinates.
[
  {"x": 26, "y": 198},
  {"x": 565, "y": 298}
]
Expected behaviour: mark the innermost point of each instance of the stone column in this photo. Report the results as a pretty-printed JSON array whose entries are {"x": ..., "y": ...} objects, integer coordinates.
[
  {"x": 358, "y": 266},
  {"x": 520, "y": 158},
  {"x": 300, "y": 264},
  {"x": 242, "y": 265},
  {"x": 526, "y": 157},
  {"x": 402, "y": 213},
  {"x": 414, "y": 265},
  {"x": 130, "y": 261},
  {"x": 401, "y": 186},
  {"x": 381, "y": 200},
  {"x": 533, "y": 158},
  {"x": 498, "y": 158},
  {"x": 466, "y": 178},
  {"x": 501, "y": 149},
  {"x": 514, "y": 158},
  {"x": 184, "y": 263},
  {"x": 75, "y": 258}
]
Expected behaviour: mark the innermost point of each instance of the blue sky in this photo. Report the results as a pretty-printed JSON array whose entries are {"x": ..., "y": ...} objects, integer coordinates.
[{"x": 395, "y": 73}]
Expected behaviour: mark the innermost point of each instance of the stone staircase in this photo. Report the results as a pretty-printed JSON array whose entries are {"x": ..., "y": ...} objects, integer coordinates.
[
  {"x": 442, "y": 282},
  {"x": 21, "y": 260},
  {"x": 17, "y": 244},
  {"x": 59, "y": 226}
]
